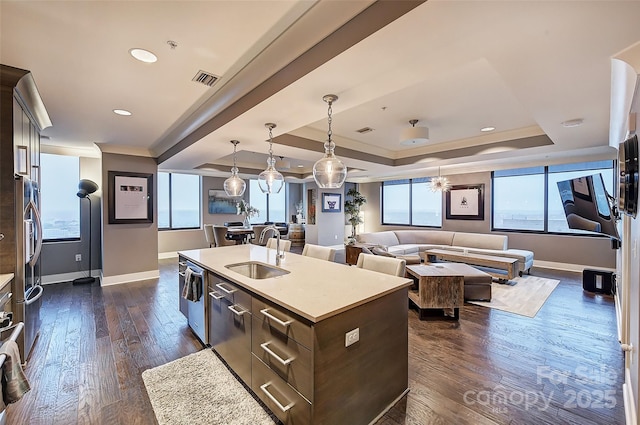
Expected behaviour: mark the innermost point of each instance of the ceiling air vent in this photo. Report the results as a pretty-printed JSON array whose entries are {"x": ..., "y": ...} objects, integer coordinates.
[
  {"x": 364, "y": 130},
  {"x": 206, "y": 78}
]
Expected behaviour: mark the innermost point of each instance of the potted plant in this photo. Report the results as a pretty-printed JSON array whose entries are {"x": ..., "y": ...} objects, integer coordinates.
[
  {"x": 352, "y": 204},
  {"x": 247, "y": 210}
]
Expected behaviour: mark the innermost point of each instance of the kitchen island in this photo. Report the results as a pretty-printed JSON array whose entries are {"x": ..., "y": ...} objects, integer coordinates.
[{"x": 320, "y": 343}]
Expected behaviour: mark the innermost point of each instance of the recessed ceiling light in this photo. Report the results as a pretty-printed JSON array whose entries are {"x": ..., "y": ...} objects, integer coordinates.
[
  {"x": 122, "y": 112},
  {"x": 143, "y": 55},
  {"x": 572, "y": 123},
  {"x": 486, "y": 129}
]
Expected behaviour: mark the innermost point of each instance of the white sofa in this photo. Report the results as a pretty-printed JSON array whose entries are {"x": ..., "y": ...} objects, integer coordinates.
[{"x": 404, "y": 242}]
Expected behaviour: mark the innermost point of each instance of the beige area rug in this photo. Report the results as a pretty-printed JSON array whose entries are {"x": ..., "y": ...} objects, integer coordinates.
[
  {"x": 523, "y": 295},
  {"x": 199, "y": 389}
]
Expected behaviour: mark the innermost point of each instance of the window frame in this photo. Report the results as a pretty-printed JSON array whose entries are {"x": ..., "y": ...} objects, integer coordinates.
[
  {"x": 546, "y": 171},
  {"x": 70, "y": 239},
  {"x": 268, "y": 200},
  {"x": 410, "y": 183},
  {"x": 200, "y": 205}
]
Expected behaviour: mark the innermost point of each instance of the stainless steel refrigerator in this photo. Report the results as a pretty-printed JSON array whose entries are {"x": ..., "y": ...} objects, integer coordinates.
[{"x": 28, "y": 289}]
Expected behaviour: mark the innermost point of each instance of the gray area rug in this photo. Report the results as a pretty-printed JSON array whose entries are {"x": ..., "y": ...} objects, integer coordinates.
[
  {"x": 523, "y": 295},
  {"x": 199, "y": 389}
]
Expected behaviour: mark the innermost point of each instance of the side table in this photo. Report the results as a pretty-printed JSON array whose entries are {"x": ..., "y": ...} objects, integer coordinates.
[{"x": 353, "y": 251}]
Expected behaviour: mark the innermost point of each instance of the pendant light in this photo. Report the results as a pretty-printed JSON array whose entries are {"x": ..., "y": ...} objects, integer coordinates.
[
  {"x": 270, "y": 180},
  {"x": 439, "y": 184},
  {"x": 234, "y": 186},
  {"x": 329, "y": 172}
]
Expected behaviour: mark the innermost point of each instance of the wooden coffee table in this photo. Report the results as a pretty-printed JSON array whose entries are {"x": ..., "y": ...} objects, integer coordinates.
[
  {"x": 438, "y": 288},
  {"x": 490, "y": 261}
]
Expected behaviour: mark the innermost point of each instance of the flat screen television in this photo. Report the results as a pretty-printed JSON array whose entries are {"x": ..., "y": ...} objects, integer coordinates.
[
  {"x": 628, "y": 176},
  {"x": 587, "y": 206}
]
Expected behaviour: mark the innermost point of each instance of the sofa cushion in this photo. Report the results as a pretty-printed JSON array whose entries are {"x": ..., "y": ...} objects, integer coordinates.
[
  {"x": 480, "y": 240},
  {"x": 424, "y": 237},
  {"x": 387, "y": 238},
  {"x": 403, "y": 249}
]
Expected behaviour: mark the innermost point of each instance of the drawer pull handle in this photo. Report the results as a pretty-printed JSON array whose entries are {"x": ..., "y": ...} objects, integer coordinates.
[
  {"x": 284, "y": 362},
  {"x": 216, "y": 296},
  {"x": 181, "y": 274},
  {"x": 235, "y": 311},
  {"x": 182, "y": 263},
  {"x": 225, "y": 290},
  {"x": 265, "y": 311},
  {"x": 284, "y": 409}
]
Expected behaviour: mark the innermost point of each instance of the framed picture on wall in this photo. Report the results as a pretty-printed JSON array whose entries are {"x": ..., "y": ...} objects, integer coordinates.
[
  {"x": 465, "y": 202},
  {"x": 221, "y": 203},
  {"x": 130, "y": 197},
  {"x": 331, "y": 202}
]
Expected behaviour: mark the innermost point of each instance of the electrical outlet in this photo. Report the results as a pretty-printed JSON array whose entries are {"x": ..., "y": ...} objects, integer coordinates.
[
  {"x": 78, "y": 257},
  {"x": 352, "y": 337}
]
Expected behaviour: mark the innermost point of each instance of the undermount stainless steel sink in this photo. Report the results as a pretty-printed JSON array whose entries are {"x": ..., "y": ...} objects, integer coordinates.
[{"x": 256, "y": 270}]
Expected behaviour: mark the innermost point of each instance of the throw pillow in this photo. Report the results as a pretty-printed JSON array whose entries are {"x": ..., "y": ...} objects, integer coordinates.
[
  {"x": 366, "y": 250},
  {"x": 381, "y": 251}
]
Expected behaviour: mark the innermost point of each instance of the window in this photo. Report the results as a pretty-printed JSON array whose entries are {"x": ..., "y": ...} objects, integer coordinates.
[
  {"x": 179, "y": 203},
  {"x": 411, "y": 202},
  {"x": 272, "y": 207},
  {"x": 518, "y": 199},
  {"x": 60, "y": 175},
  {"x": 426, "y": 206},
  {"x": 528, "y": 198}
]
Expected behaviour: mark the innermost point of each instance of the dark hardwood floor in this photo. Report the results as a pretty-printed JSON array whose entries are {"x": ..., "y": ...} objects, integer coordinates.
[{"x": 562, "y": 367}]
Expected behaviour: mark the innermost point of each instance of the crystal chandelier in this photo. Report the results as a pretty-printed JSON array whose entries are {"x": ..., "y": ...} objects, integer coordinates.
[
  {"x": 439, "y": 184},
  {"x": 329, "y": 172},
  {"x": 234, "y": 186},
  {"x": 270, "y": 180}
]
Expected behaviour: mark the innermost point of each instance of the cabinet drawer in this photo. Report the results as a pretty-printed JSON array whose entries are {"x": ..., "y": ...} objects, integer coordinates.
[
  {"x": 230, "y": 291},
  {"x": 285, "y": 402},
  {"x": 283, "y": 321},
  {"x": 290, "y": 360},
  {"x": 230, "y": 335}
]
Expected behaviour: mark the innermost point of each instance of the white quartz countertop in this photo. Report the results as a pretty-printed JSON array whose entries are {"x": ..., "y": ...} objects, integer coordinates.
[
  {"x": 5, "y": 278},
  {"x": 315, "y": 289}
]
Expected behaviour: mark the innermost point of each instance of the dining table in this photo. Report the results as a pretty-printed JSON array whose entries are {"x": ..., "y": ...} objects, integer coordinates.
[{"x": 245, "y": 233}]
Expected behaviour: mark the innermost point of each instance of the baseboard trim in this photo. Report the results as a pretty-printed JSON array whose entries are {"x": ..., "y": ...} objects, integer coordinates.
[
  {"x": 166, "y": 255},
  {"x": 131, "y": 277},
  {"x": 567, "y": 266},
  {"x": 630, "y": 415},
  {"x": 52, "y": 279}
]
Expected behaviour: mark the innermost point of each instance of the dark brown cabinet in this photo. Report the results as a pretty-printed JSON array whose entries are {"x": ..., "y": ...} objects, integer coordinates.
[{"x": 230, "y": 324}]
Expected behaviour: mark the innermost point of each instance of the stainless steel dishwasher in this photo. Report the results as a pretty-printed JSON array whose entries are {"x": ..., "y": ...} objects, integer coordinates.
[{"x": 197, "y": 315}]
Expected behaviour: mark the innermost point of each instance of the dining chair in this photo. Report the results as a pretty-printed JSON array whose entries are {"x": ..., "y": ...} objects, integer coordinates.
[
  {"x": 208, "y": 234},
  {"x": 257, "y": 231},
  {"x": 220, "y": 235},
  {"x": 237, "y": 238},
  {"x": 285, "y": 245},
  {"x": 321, "y": 252},
  {"x": 377, "y": 263}
]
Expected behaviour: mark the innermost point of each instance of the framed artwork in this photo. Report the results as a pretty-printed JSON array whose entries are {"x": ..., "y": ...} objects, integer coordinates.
[
  {"x": 221, "y": 203},
  {"x": 130, "y": 197},
  {"x": 465, "y": 202},
  {"x": 331, "y": 202}
]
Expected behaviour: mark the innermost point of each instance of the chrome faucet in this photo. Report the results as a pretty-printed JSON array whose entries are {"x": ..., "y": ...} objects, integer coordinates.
[{"x": 275, "y": 230}]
